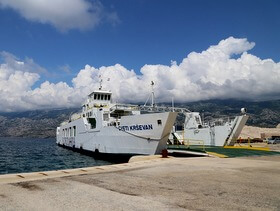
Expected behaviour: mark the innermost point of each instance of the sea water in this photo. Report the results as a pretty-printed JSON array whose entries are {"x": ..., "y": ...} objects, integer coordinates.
[{"x": 19, "y": 155}]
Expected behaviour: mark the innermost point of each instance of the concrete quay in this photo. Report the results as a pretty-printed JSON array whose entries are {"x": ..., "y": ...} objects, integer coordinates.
[{"x": 201, "y": 183}]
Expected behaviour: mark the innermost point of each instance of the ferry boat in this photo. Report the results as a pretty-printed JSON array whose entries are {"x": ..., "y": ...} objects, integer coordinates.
[
  {"x": 219, "y": 132},
  {"x": 107, "y": 127}
]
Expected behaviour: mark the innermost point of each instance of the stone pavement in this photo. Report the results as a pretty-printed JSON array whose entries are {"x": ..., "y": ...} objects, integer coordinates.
[{"x": 203, "y": 183}]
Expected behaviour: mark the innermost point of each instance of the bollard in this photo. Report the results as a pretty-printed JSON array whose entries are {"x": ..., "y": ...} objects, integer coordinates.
[{"x": 164, "y": 153}]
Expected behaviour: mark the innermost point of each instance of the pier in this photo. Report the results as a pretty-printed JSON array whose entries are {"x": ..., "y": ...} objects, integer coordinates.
[{"x": 200, "y": 183}]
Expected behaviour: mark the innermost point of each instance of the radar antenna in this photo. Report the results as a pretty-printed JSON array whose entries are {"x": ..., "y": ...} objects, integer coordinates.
[{"x": 101, "y": 81}]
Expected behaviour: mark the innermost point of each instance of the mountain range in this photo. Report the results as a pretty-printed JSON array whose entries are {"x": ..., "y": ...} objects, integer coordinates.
[{"x": 43, "y": 123}]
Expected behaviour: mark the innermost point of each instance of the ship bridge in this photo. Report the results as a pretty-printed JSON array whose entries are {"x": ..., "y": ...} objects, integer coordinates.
[{"x": 98, "y": 98}]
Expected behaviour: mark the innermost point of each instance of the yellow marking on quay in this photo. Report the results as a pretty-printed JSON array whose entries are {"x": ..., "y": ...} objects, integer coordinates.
[
  {"x": 247, "y": 147},
  {"x": 217, "y": 154}
]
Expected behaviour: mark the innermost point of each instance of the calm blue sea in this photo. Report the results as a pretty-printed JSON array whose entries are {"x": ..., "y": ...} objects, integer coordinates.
[{"x": 19, "y": 155}]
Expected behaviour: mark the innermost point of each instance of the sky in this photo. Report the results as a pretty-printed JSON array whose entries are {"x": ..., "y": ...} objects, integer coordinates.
[{"x": 53, "y": 53}]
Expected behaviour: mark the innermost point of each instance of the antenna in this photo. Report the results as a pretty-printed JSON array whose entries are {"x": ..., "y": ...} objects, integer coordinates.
[
  {"x": 152, "y": 96},
  {"x": 100, "y": 82}
]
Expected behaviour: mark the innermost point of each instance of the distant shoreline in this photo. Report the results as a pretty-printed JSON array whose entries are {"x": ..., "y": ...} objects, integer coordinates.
[{"x": 33, "y": 137}]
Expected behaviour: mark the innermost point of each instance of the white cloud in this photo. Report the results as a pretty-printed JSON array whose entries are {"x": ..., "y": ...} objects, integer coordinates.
[
  {"x": 12, "y": 63},
  {"x": 211, "y": 74},
  {"x": 65, "y": 68},
  {"x": 63, "y": 14}
]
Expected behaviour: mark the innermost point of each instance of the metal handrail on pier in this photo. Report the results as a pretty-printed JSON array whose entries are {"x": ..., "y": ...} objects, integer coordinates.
[{"x": 188, "y": 143}]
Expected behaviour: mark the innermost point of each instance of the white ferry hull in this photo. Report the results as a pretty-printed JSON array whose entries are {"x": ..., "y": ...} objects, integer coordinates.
[
  {"x": 215, "y": 135},
  {"x": 136, "y": 134}
]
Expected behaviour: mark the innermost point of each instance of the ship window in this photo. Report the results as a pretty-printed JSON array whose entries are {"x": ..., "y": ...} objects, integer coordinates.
[
  {"x": 92, "y": 122},
  {"x": 70, "y": 130},
  {"x": 109, "y": 96},
  {"x": 102, "y": 97},
  {"x": 98, "y": 97},
  {"x": 95, "y": 96},
  {"x": 105, "y": 97},
  {"x": 159, "y": 122},
  {"x": 74, "y": 130},
  {"x": 106, "y": 116}
]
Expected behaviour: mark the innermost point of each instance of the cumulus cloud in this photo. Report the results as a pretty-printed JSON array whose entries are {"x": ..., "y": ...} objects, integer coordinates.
[
  {"x": 212, "y": 74},
  {"x": 63, "y": 14}
]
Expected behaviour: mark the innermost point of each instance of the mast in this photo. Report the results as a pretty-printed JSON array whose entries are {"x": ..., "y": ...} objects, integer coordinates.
[
  {"x": 100, "y": 82},
  {"x": 153, "y": 94}
]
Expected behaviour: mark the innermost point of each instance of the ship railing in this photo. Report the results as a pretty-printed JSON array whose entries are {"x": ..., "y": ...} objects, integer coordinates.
[
  {"x": 64, "y": 123},
  {"x": 149, "y": 108},
  {"x": 124, "y": 107},
  {"x": 163, "y": 109},
  {"x": 76, "y": 116},
  {"x": 219, "y": 122}
]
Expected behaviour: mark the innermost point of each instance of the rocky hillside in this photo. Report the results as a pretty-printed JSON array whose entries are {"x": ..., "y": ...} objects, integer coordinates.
[
  {"x": 262, "y": 114},
  {"x": 43, "y": 123},
  {"x": 33, "y": 123}
]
